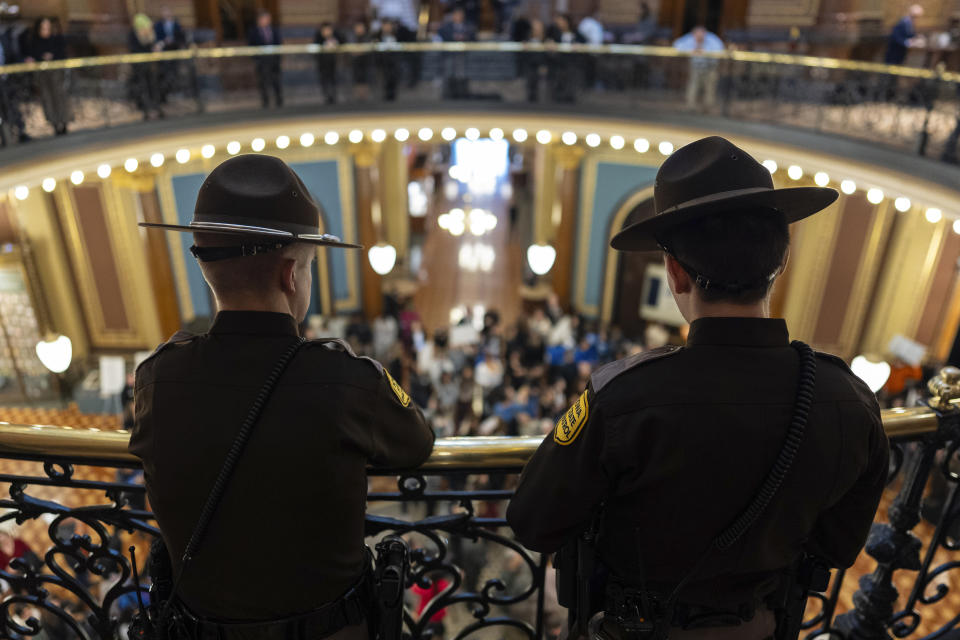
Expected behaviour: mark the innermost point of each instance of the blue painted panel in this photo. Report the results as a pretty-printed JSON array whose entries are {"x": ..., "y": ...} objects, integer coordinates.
[
  {"x": 614, "y": 183},
  {"x": 185, "y": 190},
  {"x": 322, "y": 179}
]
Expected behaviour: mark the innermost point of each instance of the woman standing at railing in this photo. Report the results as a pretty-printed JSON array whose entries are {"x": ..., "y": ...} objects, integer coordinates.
[
  {"x": 145, "y": 76},
  {"x": 47, "y": 44}
]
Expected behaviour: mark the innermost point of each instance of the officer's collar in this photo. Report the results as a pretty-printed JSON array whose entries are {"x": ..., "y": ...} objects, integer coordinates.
[
  {"x": 740, "y": 332},
  {"x": 255, "y": 322}
]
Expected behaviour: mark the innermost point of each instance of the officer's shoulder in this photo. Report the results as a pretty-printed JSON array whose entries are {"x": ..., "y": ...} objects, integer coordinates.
[
  {"x": 179, "y": 338},
  {"x": 837, "y": 369},
  {"x": 336, "y": 347},
  {"x": 606, "y": 374}
]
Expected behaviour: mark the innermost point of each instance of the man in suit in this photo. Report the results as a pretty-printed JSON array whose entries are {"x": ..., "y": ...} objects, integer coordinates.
[
  {"x": 904, "y": 36},
  {"x": 170, "y": 37},
  {"x": 265, "y": 33}
]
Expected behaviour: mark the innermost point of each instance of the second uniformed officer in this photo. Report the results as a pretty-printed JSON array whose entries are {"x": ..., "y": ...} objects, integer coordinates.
[
  {"x": 283, "y": 555},
  {"x": 674, "y": 452}
]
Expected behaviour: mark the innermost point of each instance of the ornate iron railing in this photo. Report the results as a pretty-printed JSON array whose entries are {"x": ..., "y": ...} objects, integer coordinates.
[
  {"x": 913, "y": 109},
  {"x": 465, "y": 558}
]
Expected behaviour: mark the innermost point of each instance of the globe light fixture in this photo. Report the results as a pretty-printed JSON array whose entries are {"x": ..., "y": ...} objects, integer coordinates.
[
  {"x": 541, "y": 257},
  {"x": 771, "y": 166},
  {"x": 283, "y": 142},
  {"x": 49, "y": 184},
  {"x": 331, "y": 137},
  {"x": 821, "y": 179},
  {"x": 902, "y": 204},
  {"x": 157, "y": 160},
  {"x": 21, "y": 192},
  {"x": 307, "y": 139},
  {"x": 131, "y": 164},
  {"x": 642, "y": 145},
  {"x": 382, "y": 257},
  {"x": 544, "y": 136},
  {"x": 401, "y": 135},
  {"x": 665, "y": 148},
  {"x": 104, "y": 171},
  {"x": 568, "y": 138},
  {"x": 183, "y": 155},
  {"x": 233, "y": 147},
  {"x": 472, "y": 134},
  {"x": 617, "y": 142},
  {"x": 956, "y": 227},
  {"x": 934, "y": 216},
  {"x": 874, "y": 196},
  {"x": 257, "y": 144},
  {"x": 496, "y": 133},
  {"x": 520, "y": 135},
  {"x": 872, "y": 370},
  {"x": 77, "y": 177},
  {"x": 795, "y": 172},
  {"x": 848, "y": 186},
  {"x": 448, "y": 133},
  {"x": 207, "y": 151},
  {"x": 593, "y": 140},
  {"x": 55, "y": 353},
  {"x": 378, "y": 135},
  {"x": 425, "y": 134}
]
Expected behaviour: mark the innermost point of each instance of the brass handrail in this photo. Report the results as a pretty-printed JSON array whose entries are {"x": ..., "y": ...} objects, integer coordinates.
[
  {"x": 448, "y": 453},
  {"x": 610, "y": 49}
]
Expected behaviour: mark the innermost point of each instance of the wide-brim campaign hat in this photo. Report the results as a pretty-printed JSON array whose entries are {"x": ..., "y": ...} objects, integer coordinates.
[
  {"x": 257, "y": 198},
  {"x": 713, "y": 176}
]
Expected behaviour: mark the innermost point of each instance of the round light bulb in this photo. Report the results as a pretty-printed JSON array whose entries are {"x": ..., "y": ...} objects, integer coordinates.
[
  {"x": 771, "y": 166},
  {"x": 472, "y": 134},
  {"x": 448, "y": 133},
  {"x": 520, "y": 135},
  {"x": 593, "y": 140},
  {"x": 401, "y": 135},
  {"x": 76, "y": 177},
  {"x": 874, "y": 196},
  {"x": 956, "y": 227},
  {"x": 544, "y": 136},
  {"x": 307, "y": 139},
  {"x": 283, "y": 142},
  {"x": 22, "y": 192},
  {"x": 183, "y": 155},
  {"x": 848, "y": 186},
  {"x": 795, "y": 172},
  {"x": 496, "y": 133},
  {"x": 258, "y": 144},
  {"x": 157, "y": 159},
  {"x": 49, "y": 184},
  {"x": 821, "y": 179},
  {"x": 131, "y": 164},
  {"x": 568, "y": 138},
  {"x": 665, "y": 148},
  {"x": 642, "y": 145},
  {"x": 617, "y": 142},
  {"x": 902, "y": 204},
  {"x": 331, "y": 137},
  {"x": 426, "y": 133},
  {"x": 207, "y": 151},
  {"x": 104, "y": 171},
  {"x": 233, "y": 147},
  {"x": 934, "y": 215},
  {"x": 378, "y": 135}
]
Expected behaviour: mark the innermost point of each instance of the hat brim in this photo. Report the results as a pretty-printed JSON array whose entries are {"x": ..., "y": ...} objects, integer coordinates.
[
  {"x": 796, "y": 203},
  {"x": 254, "y": 232}
]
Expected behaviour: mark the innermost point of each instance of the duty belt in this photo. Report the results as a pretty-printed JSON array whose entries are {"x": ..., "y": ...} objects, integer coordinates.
[
  {"x": 638, "y": 610},
  {"x": 349, "y": 609}
]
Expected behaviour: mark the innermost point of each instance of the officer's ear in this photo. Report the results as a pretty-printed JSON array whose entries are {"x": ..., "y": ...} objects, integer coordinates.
[
  {"x": 288, "y": 275},
  {"x": 677, "y": 276}
]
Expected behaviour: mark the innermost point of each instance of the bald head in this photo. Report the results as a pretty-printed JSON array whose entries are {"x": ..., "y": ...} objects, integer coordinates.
[{"x": 915, "y": 11}]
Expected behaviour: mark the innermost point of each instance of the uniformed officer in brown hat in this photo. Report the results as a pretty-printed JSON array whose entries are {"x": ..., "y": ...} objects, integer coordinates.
[
  {"x": 705, "y": 471},
  {"x": 283, "y": 553}
]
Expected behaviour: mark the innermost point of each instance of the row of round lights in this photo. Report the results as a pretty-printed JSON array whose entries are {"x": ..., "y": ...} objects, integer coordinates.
[
  {"x": 875, "y": 195},
  {"x": 478, "y": 221}
]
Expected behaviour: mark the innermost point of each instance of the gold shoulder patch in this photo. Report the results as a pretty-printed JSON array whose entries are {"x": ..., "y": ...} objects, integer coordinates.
[
  {"x": 397, "y": 389},
  {"x": 571, "y": 423}
]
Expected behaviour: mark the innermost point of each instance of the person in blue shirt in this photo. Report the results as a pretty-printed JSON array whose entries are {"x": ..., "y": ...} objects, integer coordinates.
[
  {"x": 904, "y": 36},
  {"x": 703, "y": 70}
]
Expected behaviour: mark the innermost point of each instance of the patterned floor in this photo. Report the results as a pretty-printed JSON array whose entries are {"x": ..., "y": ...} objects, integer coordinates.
[{"x": 35, "y": 533}]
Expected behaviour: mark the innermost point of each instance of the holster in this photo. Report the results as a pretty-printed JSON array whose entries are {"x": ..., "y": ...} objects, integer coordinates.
[{"x": 389, "y": 582}]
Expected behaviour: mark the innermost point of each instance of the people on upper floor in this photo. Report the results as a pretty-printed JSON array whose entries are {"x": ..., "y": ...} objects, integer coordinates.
[
  {"x": 561, "y": 30},
  {"x": 269, "y": 80},
  {"x": 455, "y": 27},
  {"x": 904, "y": 36},
  {"x": 145, "y": 87},
  {"x": 328, "y": 38},
  {"x": 46, "y": 44},
  {"x": 703, "y": 77},
  {"x": 169, "y": 32}
]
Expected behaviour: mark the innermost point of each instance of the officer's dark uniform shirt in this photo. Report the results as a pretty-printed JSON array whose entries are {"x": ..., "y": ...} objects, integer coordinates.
[
  {"x": 677, "y": 441},
  {"x": 288, "y": 534}
]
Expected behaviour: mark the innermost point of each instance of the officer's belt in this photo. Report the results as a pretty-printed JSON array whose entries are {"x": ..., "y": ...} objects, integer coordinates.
[
  {"x": 633, "y": 607},
  {"x": 349, "y": 609}
]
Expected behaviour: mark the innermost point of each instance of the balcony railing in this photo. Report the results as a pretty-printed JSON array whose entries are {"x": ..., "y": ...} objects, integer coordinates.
[
  {"x": 916, "y": 110},
  {"x": 77, "y": 482}
]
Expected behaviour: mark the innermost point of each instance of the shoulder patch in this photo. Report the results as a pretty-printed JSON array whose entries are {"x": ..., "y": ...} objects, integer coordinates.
[
  {"x": 571, "y": 423},
  {"x": 607, "y": 373},
  {"x": 402, "y": 395}
]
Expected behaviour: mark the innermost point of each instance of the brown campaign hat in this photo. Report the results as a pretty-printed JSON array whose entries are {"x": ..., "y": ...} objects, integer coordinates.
[
  {"x": 257, "y": 198},
  {"x": 712, "y": 176}
]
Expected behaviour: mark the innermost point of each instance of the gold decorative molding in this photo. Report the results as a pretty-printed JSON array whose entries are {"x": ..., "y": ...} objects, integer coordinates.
[{"x": 613, "y": 257}]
